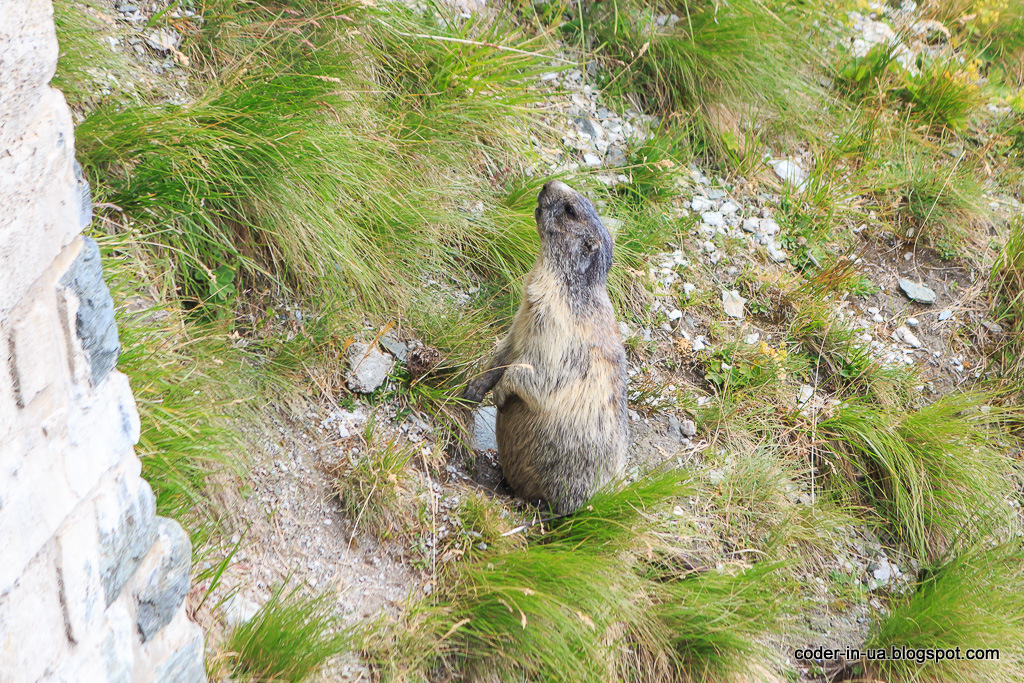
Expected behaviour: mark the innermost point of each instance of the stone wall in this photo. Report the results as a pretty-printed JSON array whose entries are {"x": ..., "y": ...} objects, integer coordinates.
[{"x": 92, "y": 582}]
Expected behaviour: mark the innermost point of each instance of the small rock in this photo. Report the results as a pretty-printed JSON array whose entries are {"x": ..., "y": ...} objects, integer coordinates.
[
  {"x": 591, "y": 159},
  {"x": 715, "y": 193},
  {"x": 238, "y": 610},
  {"x": 883, "y": 571},
  {"x": 904, "y": 333},
  {"x": 699, "y": 344},
  {"x": 805, "y": 394},
  {"x": 751, "y": 225},
  {"x": 728, "y": 207},
  {"x": 713, "y": 218},
  {"x": 877, "y": 318},
  {"x": 397, "y": 348},
  {"x": 769, "y": 226},
  {"x": 681, "y": 429},
  {"x": 733, "y": 303},
  {"x": 587, "y": 126},
  {"x": 993, "y": 327},
  {"x": 917, "y": 292},
  {"x": 752, "y": 338},
  {"x": 775, "y": 252},
  {"x": 369, "y": 366},
  {"x": 912, "y": 322},
  {"x": 163, "y": 39},
  {"x": 624, "y": 330},
  {"x": 688, "y": 289},
  {"x": 790, "y": 172},
  {"x": 675, "y": 314},
  {"x": 945, "y": 315},
  {"x": 710, "y": 247},
  {"x": 700, "y": 204},
  {"x": 485, "y": 420},
  {"x": 615, "y": 158}
]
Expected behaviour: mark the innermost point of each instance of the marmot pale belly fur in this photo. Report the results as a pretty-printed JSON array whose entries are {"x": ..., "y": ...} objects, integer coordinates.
[{"x": 559, "y": 377}]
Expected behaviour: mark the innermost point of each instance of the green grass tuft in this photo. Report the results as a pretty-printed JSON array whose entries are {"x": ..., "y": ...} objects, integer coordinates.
[
  {"x": 718, "y": 65},
  {"x": 937, "y": 474},
  {"x": 289, "y": 639},
  {"x": 942, "y": 95},
  {"x": 1007, "y": 287},
  {"x": 371, "y": 485},
  {"x": 975, "y": 600}
]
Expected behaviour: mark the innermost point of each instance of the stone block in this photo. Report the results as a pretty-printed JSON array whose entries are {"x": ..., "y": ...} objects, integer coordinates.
[
  {"x": 162, "y": 591},
  {"x": 103, "y": 427},
  {"x": 28, "y": 60},
  {"x": 175, "y": 653},
  {"x": 36, "y": 346},
  {"x": 35, "y": 497},
  {"x": 119, "y": 644},
  {"x": 185, "y": 662},
  {"x": 8, "y": 403},
  {"x": 94, "y": 321},
  {"x": 78, "y": 568},
  {"x": 125, "y": 515},
  {"x": 37, "y": 184},
  {"x": 32, "y": 634}
]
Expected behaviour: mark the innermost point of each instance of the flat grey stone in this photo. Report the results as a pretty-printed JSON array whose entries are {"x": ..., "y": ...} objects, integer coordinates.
[
  {"x": 615, "y": 158},
  {"x": 713, "y": 218},
  {"x": 681, "y": 429},
  {"x": 370, "y": 368},
  {"x": 917, "y": 292},
  {"x": 715, "y": 193},
  {"x": 701, "y": 204},
  {"x": 397, "y": 348},
  {"x": 904, "y": 333},
  {"x": 790, "y": 172},
  {"x": 586, "y": 126},
  {"x": 485, "y": 436},
  {"x": 775, "y": 252},
  {"x": 733, "y": 303},
  {"x": 239, "y": 610}
]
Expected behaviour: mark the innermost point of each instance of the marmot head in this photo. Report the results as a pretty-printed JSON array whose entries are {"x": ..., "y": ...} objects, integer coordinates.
[{"x": 573, "y": 239}]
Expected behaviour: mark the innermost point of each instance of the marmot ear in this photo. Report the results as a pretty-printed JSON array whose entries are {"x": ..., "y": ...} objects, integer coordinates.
[{"x": 591, "y": 247}]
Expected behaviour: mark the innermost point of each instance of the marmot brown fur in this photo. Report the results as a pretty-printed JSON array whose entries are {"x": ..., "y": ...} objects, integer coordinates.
[{"x": 559, "y": 377}]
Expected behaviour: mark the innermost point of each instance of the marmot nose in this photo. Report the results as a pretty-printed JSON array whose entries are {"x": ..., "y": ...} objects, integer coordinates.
[{"x": 553, "y": 188}]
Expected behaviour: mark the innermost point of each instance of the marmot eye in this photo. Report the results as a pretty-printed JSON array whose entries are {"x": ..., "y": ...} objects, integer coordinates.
[{"x": 570, "y": 211}]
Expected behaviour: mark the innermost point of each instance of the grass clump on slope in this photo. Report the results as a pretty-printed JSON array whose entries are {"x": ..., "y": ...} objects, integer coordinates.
[
  {"x": 713, "y": 62},
  {"x": 581, "y": 602},
  {"x": 290, "y": 638},
  {"x": 972, "y": 601},
  {"x": 936, "y": 474}
]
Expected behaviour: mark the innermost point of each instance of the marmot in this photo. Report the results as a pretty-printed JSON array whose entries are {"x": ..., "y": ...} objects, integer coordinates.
[{"x": 559, "y": 377}]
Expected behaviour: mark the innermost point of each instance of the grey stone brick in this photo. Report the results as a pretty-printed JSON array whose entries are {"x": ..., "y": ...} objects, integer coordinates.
[
  {"x": 95, "y": 324},
  {"x": 165, "y": 590}
]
